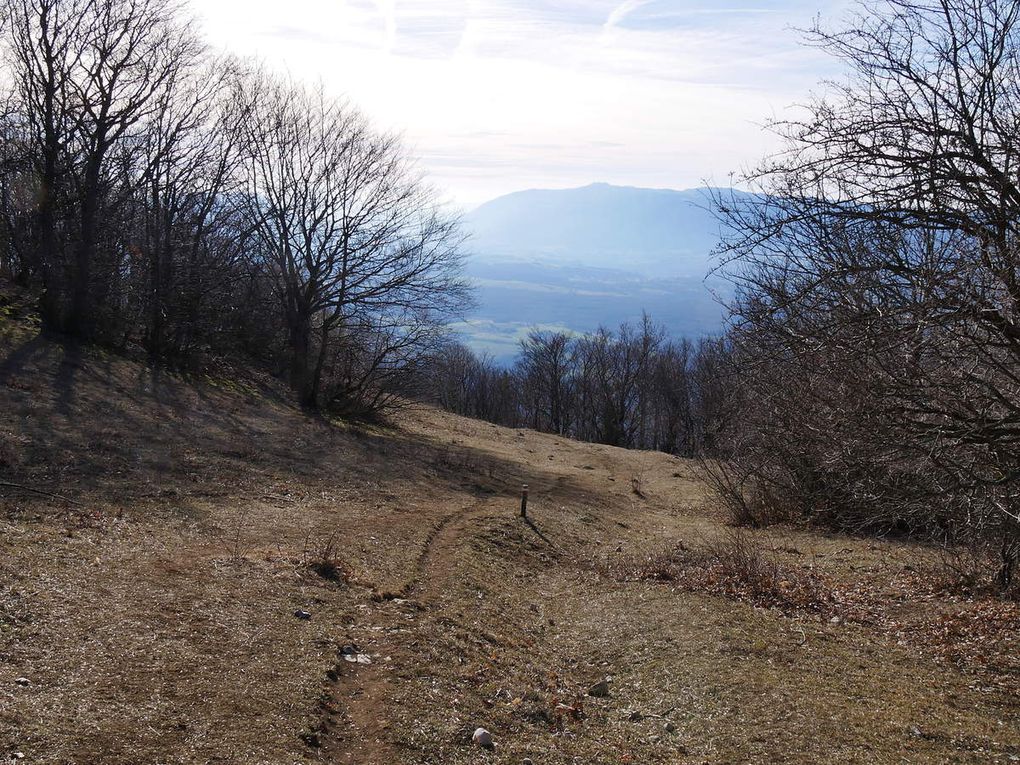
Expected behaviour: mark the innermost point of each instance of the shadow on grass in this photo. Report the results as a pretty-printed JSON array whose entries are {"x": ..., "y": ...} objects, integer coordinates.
[
  {"x": 126, "y": 433},
  {"x": 532, "y": 525}
]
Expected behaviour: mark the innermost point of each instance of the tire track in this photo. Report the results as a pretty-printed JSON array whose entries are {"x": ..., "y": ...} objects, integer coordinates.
[{"x": 364, "y": 691}]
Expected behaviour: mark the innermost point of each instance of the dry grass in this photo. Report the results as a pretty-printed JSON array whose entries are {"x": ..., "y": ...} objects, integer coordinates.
[
  {"x": 932, "y": 607},
  {"x": 155, "y": 623},
  {"x": 734, "y": 566}
]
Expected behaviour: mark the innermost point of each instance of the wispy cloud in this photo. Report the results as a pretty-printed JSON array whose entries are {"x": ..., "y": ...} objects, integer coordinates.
[
  {"x": 497, "y": 95},
  {"x": 620, "y": 12}
]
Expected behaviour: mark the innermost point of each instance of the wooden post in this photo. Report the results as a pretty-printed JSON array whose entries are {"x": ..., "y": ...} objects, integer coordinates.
[{"x": 524, "y": 501}]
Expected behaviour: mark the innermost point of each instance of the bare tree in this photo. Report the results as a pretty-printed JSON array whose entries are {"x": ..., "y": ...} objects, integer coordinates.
[
  {"x": 545, "y": 368},
  {"x": 152, "y": 194},
  {"x": 183, "y": 204},
  {"x": 88, "y": 75},
  {"x": 628, "y": 388},
  {"x": 45, "y": 38},
  {"x": 876, "y": 334},
  {"x": 355, "y": 243}
]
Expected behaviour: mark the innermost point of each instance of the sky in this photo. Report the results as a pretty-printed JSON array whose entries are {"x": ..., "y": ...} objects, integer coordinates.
[{"x": 495, "y": 96}]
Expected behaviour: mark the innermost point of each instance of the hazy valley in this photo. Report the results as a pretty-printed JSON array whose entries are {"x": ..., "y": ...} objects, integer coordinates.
[{"x": 575, "y": 259}]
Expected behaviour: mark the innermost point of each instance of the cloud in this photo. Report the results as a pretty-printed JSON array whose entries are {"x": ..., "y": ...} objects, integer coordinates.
[
  {"x": 620, "y": 12},
  {"x": 498, "y": 95}
]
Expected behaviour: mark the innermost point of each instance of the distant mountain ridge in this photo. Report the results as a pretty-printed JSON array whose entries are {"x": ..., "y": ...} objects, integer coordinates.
[
  {"x": 575, "y": 259},
  {"x": 657, "y": 231}
]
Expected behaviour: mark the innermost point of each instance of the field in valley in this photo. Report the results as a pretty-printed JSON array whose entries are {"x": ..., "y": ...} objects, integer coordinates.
[{"x": 151, "y": 598}]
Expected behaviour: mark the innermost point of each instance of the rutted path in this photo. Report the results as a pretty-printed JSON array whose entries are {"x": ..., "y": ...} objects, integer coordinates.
[{"x": 362, "y": 693}]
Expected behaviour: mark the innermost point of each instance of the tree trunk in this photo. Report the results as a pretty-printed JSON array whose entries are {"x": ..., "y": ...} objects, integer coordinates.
[
  {"x": 81, "y": 322},
  {"x": 300, "y": 341}
]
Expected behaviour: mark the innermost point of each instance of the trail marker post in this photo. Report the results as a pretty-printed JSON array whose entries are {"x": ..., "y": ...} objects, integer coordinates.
[{"x": 524, "y": 501}]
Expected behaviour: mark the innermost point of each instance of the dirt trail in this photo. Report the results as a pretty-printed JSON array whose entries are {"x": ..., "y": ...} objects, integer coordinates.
[{"x": 365, "y": 692}]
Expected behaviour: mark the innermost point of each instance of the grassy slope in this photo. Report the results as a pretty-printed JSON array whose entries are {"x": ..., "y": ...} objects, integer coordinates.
[{"x": 155, "y": 623}]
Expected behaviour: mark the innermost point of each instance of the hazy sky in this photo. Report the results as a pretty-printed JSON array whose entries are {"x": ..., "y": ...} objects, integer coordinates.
[{"x": 500, "y": 95}]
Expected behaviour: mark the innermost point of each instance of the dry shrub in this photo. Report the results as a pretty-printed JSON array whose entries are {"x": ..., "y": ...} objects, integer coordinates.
[
  {"x": 748, "y": 501},
  {"x": 637, "y": 487},
  {"x": 322, "y": 556},
  {"x": 236, "y": 537},
  {"x": 981, "y": 568},
  {"x": 737, "y": 567}
]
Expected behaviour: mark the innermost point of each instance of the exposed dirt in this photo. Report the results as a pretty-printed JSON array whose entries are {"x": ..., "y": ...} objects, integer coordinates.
[{"x": 155, "y": 622}]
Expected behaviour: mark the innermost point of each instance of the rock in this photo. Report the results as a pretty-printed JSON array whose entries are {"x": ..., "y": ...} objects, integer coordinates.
[
  {"x": 669, "y": 727},
  {"x": 527, "y": 761},
  {"x": 302, "y": 614},
  {"x": 351, "y": 654},
  {"x": 916, "y": 732},
  {"x": 836, "y": 620},
  {"x": 600, "y": 689},
  {"x": 483, "y": 739},
  {"x": 23, "y": 681}
]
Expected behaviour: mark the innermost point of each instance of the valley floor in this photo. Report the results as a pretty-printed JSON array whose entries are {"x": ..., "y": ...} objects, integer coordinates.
[{"x": 152, "y": 619}]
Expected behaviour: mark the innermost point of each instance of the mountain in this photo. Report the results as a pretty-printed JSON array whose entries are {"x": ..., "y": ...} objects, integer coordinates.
[
  {"x": 655, "y": 231},
  {"x": 597, "y": 255}
]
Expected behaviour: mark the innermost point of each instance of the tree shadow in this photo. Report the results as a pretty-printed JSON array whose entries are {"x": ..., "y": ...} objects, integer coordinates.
[
  {"x": 18, "y": 359},
  {"x": 64, "y": 379},
  {"x": 129, "y": 434}
]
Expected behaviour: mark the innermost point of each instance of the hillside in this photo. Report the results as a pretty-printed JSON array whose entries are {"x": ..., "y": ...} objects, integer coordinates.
[
  {"x": 148, "y": 612},
  {"x": 600, "y": 254},
  {"x": 654, "y": 232}
]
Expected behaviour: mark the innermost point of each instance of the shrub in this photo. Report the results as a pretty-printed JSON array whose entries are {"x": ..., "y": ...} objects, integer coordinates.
[{"x": 737, "y": 567}]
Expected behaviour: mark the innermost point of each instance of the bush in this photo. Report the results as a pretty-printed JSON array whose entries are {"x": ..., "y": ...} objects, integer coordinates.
[{"x": 735, "y": 566}]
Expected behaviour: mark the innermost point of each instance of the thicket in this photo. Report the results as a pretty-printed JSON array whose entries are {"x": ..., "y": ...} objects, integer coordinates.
[
  {"x": 153, "y": 194},
  {"x": 874, "y": 350},
  {"x": 633, "y": 387}
]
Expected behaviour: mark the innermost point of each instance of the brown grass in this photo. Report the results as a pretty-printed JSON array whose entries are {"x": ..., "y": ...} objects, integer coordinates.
[
  {"x": 155, "y": 623},
  {"x": 734, "y": 566}
]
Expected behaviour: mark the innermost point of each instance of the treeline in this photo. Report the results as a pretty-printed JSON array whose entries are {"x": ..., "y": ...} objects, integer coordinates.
[
  {"x": 632, "y": 388},
  {"x": 154, "y": 194},
  {"x": 875, "y": 347}
]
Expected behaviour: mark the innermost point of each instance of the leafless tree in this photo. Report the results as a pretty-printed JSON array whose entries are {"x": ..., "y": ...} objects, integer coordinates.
[
  {"x": 358, "y": 248},
  {"x": 876, "y": 335},
  {"x": 545, "y": 369},
  {"x": 88, "y": 74},
  {"x": 188, "y": 239},
  {"x": 44, "y": 40},
  {"x": 152, "y": 194},
  {"x": 628, "y": 388}
]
